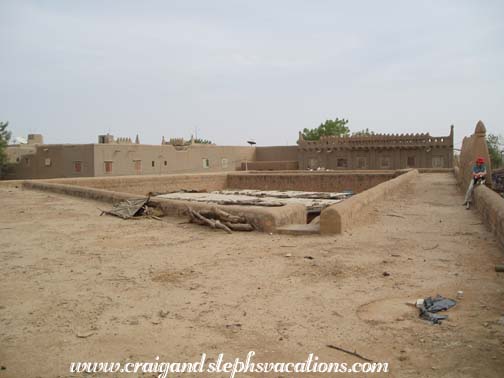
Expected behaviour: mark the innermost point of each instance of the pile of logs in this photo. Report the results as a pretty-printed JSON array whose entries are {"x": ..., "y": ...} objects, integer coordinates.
[{"x": 217, "y": 218}]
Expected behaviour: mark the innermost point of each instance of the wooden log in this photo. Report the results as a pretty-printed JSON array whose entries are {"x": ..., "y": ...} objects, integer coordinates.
[
  {"x": 196, "y": 217},
  {"x": 240, "y": 226},
  {"x": 222, "y": 226},
  {"x": 228, "y": 218},
  {"x": 223, "y": 216}
]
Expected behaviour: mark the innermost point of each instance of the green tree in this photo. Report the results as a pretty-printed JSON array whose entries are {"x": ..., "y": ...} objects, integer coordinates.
[
  {"x": 495, "y": 145},
  {"x": 202, "y": 141},
  {"x": 330, "y": 127},
  {"x": 4, "y": 140},
  {"x": 364, "y": 132}
]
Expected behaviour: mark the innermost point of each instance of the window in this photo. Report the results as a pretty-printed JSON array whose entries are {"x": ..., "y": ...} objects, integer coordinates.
[
  {"x": 165, "y": 163},
  {"x": 313, "y": 163},
  {"x": 108, "y": 166},
  {"x": 224, "y": 163},
  {"x": 77, "y": 166},
  {"x": 437, "y": 162},
  {"x": 138, "y": 166},
  {"x": 47, "y": 162},
  {"x": 27, "y": 162},
  {"x": 206, "y": 163},
  {"x": 385, "y": 162},
  {"x": 153, "y": 163},
  {"x": 411, "y": 161},
  {"x": 342, "y": 163},
  {"x": 361, "y": 162}
]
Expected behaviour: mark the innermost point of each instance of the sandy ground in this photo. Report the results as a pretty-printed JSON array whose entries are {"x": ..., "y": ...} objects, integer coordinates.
[{"x": 79, "y": 287}]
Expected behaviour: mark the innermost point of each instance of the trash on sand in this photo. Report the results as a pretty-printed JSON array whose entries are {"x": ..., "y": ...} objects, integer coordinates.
[
  {"x": 460, "y": 294},
  {"x": 83, "y": 334},
  {"x": 128, "y": 209},
  {"x": 419, "y": 303},
  {"x": 433, "y": 305},
  {"x": 354, "y": 353}
]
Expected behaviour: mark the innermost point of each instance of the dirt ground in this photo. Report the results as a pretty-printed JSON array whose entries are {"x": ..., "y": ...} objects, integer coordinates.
[{"x": 79, "y": 287}]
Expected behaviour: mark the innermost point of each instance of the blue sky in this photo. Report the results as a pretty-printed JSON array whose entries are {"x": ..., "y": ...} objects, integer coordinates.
[{"x": 236, "y": 70}]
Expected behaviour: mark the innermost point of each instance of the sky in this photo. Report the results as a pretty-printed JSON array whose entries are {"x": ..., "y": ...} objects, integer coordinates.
[{"x": 231, "y": 71}]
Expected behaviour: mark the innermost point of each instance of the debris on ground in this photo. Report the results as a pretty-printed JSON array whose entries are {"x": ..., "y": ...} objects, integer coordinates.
[
  {"x": 83, "y": 334},
  {"x": 431, "y": 306},
  {"x": 128, "y": 209},
  {"x": 430, "y": 248},
  {"x": 134, "y": 208},
  {"x": 217, "y": 218},
  {"x": 349, "y": 352}
]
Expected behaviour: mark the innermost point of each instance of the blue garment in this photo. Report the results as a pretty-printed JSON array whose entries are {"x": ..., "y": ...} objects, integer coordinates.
[{"x": 479, "y": 168}]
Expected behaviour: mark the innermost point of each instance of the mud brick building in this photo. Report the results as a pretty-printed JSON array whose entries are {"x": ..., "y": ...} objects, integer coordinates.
[{"x": 379, "y": 151}]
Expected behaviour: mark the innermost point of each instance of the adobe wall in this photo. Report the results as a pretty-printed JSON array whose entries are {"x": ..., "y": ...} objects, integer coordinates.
[
  {"x": 11, "y": 183},
  {"x": 357, "y": 181},
  {"x": 473, "y": 147},
  {"x": 79, "y": 191},
  {"x": 398, "y": 158},
  {"x": 265, "y": 219},
  {"x": 142, "y": 185},
  {"x": 165, "y": 159},
  {"x": 378, "y": 151},
  {"x": 291, "y": 165},
  {"x": 491, "y": 207},
  {"x": 489, "y": 204},
  {"x": 338, "y": 218},
  {"x": 51, "y": 161},
  {"x": 57, "y": 161},
  {"x": 276, "y": 153}
]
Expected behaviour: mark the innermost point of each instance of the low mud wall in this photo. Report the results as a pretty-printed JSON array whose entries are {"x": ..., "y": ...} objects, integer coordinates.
[
  {"x": 489, "y": 203},
  {"x": 11, "y": 183},
  {"x": 340, "y": 217},
  {"x": 80, "y": 191},
  {"x": 270, "y": 166},
  {"x": 491, "y": 207},
  {"x": 265, "y": 219},
  {"x": 142, "y": 185},
  {"x": 357, "y": 181}
]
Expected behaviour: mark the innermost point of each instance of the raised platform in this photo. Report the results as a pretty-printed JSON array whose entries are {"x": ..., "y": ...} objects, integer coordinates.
[{"x": 299, "y": 229}]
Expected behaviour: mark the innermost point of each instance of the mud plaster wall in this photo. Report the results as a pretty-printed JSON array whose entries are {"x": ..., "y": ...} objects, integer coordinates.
[
  {"x": 58, "y": 160},
  {"x": 142, "y": 185},
  {"x": 276, "y": 153},
  {"x": 473, "y": 147},
  {"x": 308, "y": 181},
  {"x": 291, "y": 165},
  {"x": 51, "y": 161},
  {"x": 489, "y": 204},
  {"x": 263, "y": 218},
  {"x": 491, "y": 207},
  {"x": 340, "y": 217}
]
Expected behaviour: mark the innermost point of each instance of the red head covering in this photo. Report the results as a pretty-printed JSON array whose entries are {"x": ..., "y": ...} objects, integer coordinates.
[{"x": 480, "y": 160}]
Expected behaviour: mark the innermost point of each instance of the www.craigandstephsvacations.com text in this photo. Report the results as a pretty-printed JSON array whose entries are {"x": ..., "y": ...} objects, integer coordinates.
[{"x": 229, "y": 368}]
